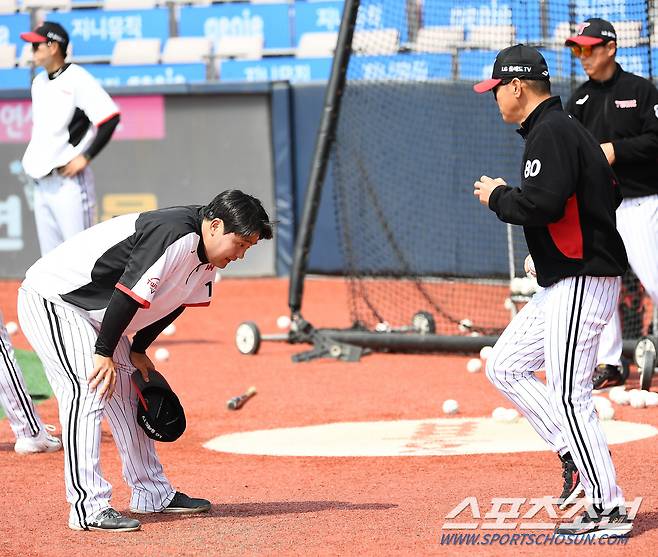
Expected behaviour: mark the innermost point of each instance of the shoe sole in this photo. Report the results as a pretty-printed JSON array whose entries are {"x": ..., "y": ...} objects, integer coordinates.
[
  {"x": 97, "y": 529},
  {"x": 175, "y": 510},
  {"x": 38, "y": 451},
  {"x": 572, "y": 498}
]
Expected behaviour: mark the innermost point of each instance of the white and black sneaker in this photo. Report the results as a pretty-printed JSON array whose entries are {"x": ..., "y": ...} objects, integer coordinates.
[
  {"x": 572, "y": 488},
  {"x": 181, "y": 504},
  {"x": 109, "y": 520},
  {"x": 595, "y": 524}
]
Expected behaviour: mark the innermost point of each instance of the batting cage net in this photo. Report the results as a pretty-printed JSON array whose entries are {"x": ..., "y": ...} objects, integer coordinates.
[{"x": 420, "y": 252}]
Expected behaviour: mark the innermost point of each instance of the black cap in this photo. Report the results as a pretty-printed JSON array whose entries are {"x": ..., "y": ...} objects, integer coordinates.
[
  {"x": 159, "y": 412},
  {"x": 520, "y": 61},
  {"x": 48, "y": 31},
  {"x": 593, "y": 31}
]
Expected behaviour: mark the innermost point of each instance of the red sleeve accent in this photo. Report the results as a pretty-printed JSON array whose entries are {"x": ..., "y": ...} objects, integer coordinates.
[
  {"x": 201, "y": 304},
  {"x": 106, "y": 119},
  {"x": 141, "y": 301},
  {"x": 567, "y": 233}
]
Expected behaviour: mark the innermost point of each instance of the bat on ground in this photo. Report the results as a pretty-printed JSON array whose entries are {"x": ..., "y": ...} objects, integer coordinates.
[{"x": 238, "y": 402}]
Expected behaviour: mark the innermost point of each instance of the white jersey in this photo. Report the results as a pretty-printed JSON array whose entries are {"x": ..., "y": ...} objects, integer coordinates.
[
  {"x": 63, "y": 110},
  {"x": 157, "y": 258}
]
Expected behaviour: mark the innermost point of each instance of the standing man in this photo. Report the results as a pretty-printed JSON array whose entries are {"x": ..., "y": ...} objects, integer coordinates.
[
  {"x": 73, "y": 118},
  {"x": 31, "y": 433},
  {"x": 130, "y": 276},
  {"x": 620, "y": 109},
  {"x": 566, "y": 204}
]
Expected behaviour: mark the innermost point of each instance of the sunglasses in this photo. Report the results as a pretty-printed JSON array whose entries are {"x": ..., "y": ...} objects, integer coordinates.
[
  {"x": 584, "y": 51},
  {"x": 503, "y": 82},
  {"x": 35, "y": 46}
]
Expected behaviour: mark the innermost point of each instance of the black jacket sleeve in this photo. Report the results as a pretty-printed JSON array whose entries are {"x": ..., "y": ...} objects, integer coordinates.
[
  {"x": 145, "y": 337},
  {"x": 642, "y": 147},
  {"x": 119, "y": 313},
  {"x": 549, "y": 178},
  {"x": 103, "y": 135}
]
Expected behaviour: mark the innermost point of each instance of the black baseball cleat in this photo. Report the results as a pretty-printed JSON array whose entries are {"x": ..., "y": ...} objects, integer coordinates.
[
  {"x": 594, "y": 524},
  {"x": 182, "y": 504},
  {"x": 606, "y": 376},
  {"x": 109, "y": 520},
  {"x": 572, "y": 487}
]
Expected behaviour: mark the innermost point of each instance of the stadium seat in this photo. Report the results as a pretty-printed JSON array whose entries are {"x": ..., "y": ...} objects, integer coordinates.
[
  {"x": 25, "y": 59},
  {"x": 8, "y": 6},
  {"x": 63, "y": 5},
  {"x": 492, "y": 37},
  {"x": 379, "y": 41},
  {"x": 628, "y": 33},
  {"x": 186, "y": 50},
  {"x": 111, "y": 5},
  {"x": 443, "y": 38},
  {"x": 317, "y": 45},
  {"x": 246, "y": 47},
  {"x": 7, "y": 55},
  {"x": 129, "y": 52}
]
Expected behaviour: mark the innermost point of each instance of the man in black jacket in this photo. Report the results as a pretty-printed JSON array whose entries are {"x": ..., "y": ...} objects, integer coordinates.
[
  {"x": 566, "y": 204},
  {"x": 620, "y": 109}
]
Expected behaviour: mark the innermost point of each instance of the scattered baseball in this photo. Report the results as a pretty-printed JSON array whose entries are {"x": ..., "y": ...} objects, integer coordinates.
[
  {"x": 650, "y": 398},
  {"x": 508, "y": 304},
  {"x": 162, "y": 354},
  {"x": 450, "y": 406},
  {"x": 499, "y": 414},
  {"x": 474, "y": 365},
  {"x": 601, "y": 402},
  {"x": 169, "y": 330},
  {"x": 486, "y": 352},
  {"x": 465, "y": 325},
  {"x": 382, "y": 327},
  {"x": 637, "y": 399},
  {"x": 283, "y": 322},
  {"x": 606, "y": 412},
  {"x": 619, "y": 395},
  {"x": 511, "y": 415},
  {"x": 12, "y": 327}
]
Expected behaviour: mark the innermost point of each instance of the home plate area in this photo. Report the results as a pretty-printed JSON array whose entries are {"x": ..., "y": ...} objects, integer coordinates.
[{"x": 432, "y": 437}]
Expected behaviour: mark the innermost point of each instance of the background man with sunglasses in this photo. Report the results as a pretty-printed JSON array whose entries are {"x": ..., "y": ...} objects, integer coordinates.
[
  {"x": 73, "y": 118},
  {"x": 621, "y": 110}
]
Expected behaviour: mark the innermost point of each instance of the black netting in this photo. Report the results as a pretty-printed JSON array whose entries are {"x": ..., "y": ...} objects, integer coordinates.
[{"x": 412, "y": 138}]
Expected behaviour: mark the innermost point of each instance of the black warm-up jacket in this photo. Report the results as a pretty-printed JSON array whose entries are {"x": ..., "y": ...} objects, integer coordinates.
[
  {"x": 623, "y": 111},
  {"x": 567, "y": 199}
]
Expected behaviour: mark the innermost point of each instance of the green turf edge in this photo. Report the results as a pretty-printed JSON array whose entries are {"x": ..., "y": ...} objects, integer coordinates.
[{"x": 35, "y": 379}]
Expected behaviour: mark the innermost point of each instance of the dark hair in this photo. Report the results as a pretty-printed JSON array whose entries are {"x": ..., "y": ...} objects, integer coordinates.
[
  {"x": 241, "y": 213},
  {"x": 539, "y": 86}
]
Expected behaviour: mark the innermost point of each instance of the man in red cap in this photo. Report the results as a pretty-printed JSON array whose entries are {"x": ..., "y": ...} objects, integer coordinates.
[
  {"x": 620, "y": 109},
  {"x": 566, "y": 204},
  {"x": 73, "y": 118}
]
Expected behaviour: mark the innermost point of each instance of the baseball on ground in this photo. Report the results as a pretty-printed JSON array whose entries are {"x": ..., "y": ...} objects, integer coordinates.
[
  {"x": 283, "y": 322},
  {"x": 12, "y": 327},
  {"x": 473, "y": 365},
  {"x": 162, "y": 354},
  {"x": 169, "y": 330},
  {"x": 450, "y": 406}
]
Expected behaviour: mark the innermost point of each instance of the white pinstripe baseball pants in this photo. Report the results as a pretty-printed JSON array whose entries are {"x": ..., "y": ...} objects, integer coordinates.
[
  {"x": 63, "y": 207},
  {"x": 637, "y": 223},
  {"x": 64, "y": 340},
  {"x": 559, "y": 330},
  {"x": 14, "y": 398}
]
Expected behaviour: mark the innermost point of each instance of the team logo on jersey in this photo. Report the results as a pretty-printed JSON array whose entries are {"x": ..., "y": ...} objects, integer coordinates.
[
  {"x": 153, "y": 284},
  {"x": 583, "y": 100},
  {"x": 532, "y": 168},
  {"x": 631, "y": 103}
]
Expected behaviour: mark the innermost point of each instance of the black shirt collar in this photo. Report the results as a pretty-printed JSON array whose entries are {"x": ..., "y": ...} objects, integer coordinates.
[
  {"x": 550, "y": 104},
  {"x": 609, "y": 82},
  {"x": 198, "y": 222}
]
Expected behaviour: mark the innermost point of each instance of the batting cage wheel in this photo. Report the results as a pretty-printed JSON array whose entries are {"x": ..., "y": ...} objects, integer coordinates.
[
  {"x": 645, "y": 358},
  {"x": 247, "y": 338}
]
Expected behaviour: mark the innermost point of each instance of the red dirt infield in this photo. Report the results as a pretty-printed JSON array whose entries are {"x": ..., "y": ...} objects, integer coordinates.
[{"x": 304, "y": 505}]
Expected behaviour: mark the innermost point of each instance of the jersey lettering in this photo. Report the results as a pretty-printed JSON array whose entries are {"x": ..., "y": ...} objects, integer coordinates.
[{"x": 532, "y": 168}]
